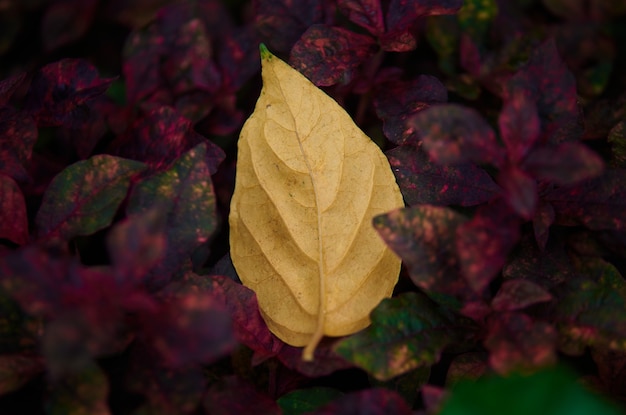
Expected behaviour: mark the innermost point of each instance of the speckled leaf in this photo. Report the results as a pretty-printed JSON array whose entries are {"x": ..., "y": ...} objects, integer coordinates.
[
  {"x": 484, "y": 242},
  {"x": 60, "y": 92},
  {"x": 84, "y": 197},
  {"x": 564, "y": 164},
  {"x": 598, "y": 203},
  {"x": 374, "y": 401},
  {"x": 396, "y": 101},
  {"x": 591, "y": 309},
  {"x": 365, "y": 13},
  {"x": 160, "y": 137},
  {"x": 520, "y": 191},
  {"x": 328, "y": 55},
  {"x": 454, "y": 134},
  {"x": 403, "y": 14},
  {"x": 13, "y": 220},
  {"x": 18, "y": 134},
  {"x": 233, "y": 395},
  {"x": 556, "y": 389},
  {"x": 553, "y": 89},
  {"x": 519, "y": 125},
  {"x": 282, "y": 22},
  {"x": 516, "y": 342},
  {"x": 307, "y": 400},
  {"x": 516, "y": 294},
  {"x": 425, "y": 238},
  {"x": 407, "y": 332},
  {"x": 469, "y": 366},
  {"x": 184, "y": 194},
  {"x": 424, "y": 182}
]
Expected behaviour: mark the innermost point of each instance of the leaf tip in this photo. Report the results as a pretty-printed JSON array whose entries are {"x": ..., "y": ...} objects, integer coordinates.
[{"x": 265, "y": 53}]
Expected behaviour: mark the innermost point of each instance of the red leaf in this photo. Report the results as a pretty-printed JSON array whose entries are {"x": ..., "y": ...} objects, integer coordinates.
[
  {"x": 598, "y": 203},
  {"x": 564, "y": 164},
  {"x": 328, "y": 55},
  {"x": 13, "y": 219},
  {"x": 519, "y": 125},
  {"x": 553, "y": 88},
  {"x": 326, "y": 360},
  {"x": 136, "y": 245},
  {"x": 232, "y": 395},
  {"x": 365, "y": 13},
  {"x": 516, "y": 342},
  {"x": 249, "y": 327},
  {"x": 18, "y": 134},
  {"x": 374, "y": 401},
  {"x": 517, "y": 294},
  {"x": 160, "y": 137},
  {"x": 66, "y": 21},
  {"x": 60, "y": 93},
  {"x": 424, "y": 237},
  {"x": 282, "y": 22},
  {"x": 424, "y": 182},
  {"x": 403, "y": 14},
  {"x": 454, "y": 134},
  {"x": 397, "y": 101},
  {"x": 484, "y": 243},
  {"x": 9, "y": 85},
  {"x": 520, "y": 191},
  {"x": 189, "y": 328}
]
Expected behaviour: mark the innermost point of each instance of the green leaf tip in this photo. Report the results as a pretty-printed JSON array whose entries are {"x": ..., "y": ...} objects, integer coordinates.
[{"x": 265, "y": 53}]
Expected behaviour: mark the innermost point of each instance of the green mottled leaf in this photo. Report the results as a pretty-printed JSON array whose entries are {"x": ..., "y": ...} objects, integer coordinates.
[
  {"x": 425, "y": 238},
  {"x": 184, "y": 195},
  {"x": 407, "y": 332},
  {"x": 551, "y": 391},
  {"x": 84, "y": 197},
  {"x": 592, "y": 307},
  {"x": 475, "y": 17},
  {"x": 306, "y": 400}
]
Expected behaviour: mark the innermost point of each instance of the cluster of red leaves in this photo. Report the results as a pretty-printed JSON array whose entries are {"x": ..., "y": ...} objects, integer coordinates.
[{"x": 113, "y": 204}]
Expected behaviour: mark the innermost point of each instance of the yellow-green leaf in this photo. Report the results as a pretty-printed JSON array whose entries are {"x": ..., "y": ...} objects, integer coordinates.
[{"x": 308, "y": 184}]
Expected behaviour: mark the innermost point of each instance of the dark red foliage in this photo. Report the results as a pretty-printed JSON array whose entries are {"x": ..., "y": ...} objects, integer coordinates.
[{"x": 503, "y": 123}]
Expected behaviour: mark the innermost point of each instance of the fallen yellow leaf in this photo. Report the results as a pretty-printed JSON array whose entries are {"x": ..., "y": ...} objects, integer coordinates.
[{"x": 308, "y": 184}]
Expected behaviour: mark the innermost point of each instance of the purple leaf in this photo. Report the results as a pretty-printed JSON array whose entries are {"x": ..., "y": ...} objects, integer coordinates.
[
  {"x": 424, "y": 182},
  {"x": 453, "y": 134},
  {"x": 232, "y": 395},
  {"x": 564, "y": 164},
  {"x": 9, "y": 85},
  {"x": 543, "y": 219},
  {"x": 397, "y": 101},
  {"x": 328, "y": 55},
  {"x": 424, "y": 237},
  {"x": 519, "y": 125},
  {"x": 366, "y": 13},
  {"x": 517, "y": 294},
  {"x": 66, "y": 21},
  {"x": 13, "y": 219},
  {"x": 18, "y": 134},
  {"x": 520, "y": 191},
  {"x": 484, "y": 243}
]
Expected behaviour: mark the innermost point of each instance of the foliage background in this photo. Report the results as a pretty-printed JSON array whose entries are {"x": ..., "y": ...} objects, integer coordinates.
[{"x": 503, "y": 121}]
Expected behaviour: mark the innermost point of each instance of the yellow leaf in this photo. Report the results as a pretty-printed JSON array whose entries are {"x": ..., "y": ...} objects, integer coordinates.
[{"x": 308, "y": 184}]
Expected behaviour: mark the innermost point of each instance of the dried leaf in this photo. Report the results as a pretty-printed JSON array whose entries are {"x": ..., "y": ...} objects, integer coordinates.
[{"x": 308, "y": 184}]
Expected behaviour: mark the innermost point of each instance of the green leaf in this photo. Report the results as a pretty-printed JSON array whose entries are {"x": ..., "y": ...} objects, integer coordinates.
[
  {"x": 407, "y": 332},
  {"x": 475, "y": 17},
  {"x": 551, "y": 391},
  {"x": 306, "y": 400},
  {"x": 84, "y": 197},
  {"x": 184, "y": 195}
]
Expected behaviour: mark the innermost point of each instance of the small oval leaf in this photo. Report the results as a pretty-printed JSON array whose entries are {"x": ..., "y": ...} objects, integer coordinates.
[{"x": 308, "y": 184}]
